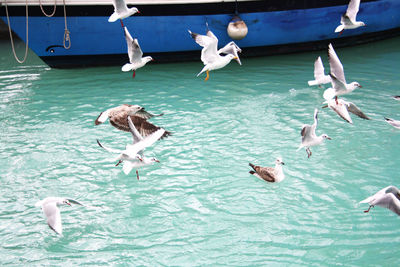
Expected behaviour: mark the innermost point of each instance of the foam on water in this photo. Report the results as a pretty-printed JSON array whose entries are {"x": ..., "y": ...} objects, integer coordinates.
[{"x": 200, "y": 206}]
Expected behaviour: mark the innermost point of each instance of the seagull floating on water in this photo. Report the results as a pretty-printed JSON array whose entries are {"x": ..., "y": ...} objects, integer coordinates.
[
  {"x": 394, "y": 123},
  {"x": 319, "y": 74},
  {"x": 121, "y": 11},
  {"x": 339, "y": 85},
  {"x": 50, "y": 209},
  {"x": 135, "y": 54},
  {"x": 342, "y": 108},
  {"x": 308, "y": 136},
  {"x": 269, "y": 174},
  {"x": 211, "y": 56},
  {"x": 396, "y": 97},
  {"x": 348, "y": 19},
  {"x": 118, "y": 119},
  {"x": 388, "y": 197},
  {"x": 133, "y": 156}
]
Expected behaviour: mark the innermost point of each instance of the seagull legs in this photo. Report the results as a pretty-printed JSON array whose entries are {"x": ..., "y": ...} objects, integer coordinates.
[
  {"x": 309, "y": 153},
  {"x": 208, "y": 75},
  {"x": 119, "y": 162},
  {"x": 337, "y": 103},
  {"x": 122, "y": 23},
  {"x": 368, "y": 209},
  {"x": 134, "y": 74},
  {"x": 137, "y": 174}
]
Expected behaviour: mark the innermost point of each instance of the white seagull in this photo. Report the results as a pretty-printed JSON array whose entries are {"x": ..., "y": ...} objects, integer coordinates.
[
  {"x": 308, "y": 136},
  {"x": 121, "y": 11},
  {"x": 394, "y": 123},
  {"x": 133, "y": 156},
  {"x": 50, "y": 209},
  {"x": 210, "y": 55},
  {"x": 319, "y": 74},
  {"x": 388, "y": 197},
  {"x": 339, "y": 85},
  {"x": 348, "y": 19},
  {"x": 342, "y": 108},
  {"x": 269, "y": 174},
  {"x": 135, "y": 54}
]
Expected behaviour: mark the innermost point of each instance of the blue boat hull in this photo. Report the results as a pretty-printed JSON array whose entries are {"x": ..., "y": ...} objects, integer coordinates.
[{"x": 95, "y": 41}]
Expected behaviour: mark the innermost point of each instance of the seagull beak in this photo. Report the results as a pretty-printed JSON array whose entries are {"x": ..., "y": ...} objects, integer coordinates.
[
  {"x": 329, "y": 138},
  {"x": 283, "y": 163},
  {"x": 157, "y": 161},
  {"x": 360, "y": 86},
  {"x": 69, "y": 204},
  {"x": 325, "y": 106}
]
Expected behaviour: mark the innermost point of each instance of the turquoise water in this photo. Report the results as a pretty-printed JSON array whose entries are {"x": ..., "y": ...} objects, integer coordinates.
[{"x": 200, "y": 206}]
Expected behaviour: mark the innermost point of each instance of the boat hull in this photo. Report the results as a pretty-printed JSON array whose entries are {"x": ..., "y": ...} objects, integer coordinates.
[{"x": 95, "y": 41}]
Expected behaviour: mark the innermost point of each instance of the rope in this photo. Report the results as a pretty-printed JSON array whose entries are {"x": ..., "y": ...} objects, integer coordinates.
[
  {"x": 54, "y": 9},
  {"x": 67, "y": 38},
  {"x": 11, "y": 38}
]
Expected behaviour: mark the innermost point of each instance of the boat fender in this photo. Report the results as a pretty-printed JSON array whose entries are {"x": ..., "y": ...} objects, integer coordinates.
[{"x": 237, "y": 29}]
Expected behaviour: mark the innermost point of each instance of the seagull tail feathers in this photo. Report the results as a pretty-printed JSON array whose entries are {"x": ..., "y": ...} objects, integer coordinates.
[
  {"x": 127, "y": 168},
  {"x": 114, "y": 17},
  {"x": 339, "y": 28},
  {"x": 312, "y": 83},
  {"x": 127, "y": 67},
  {"x": 329, "y": 94},
  {"x": 101, "y": 118}
]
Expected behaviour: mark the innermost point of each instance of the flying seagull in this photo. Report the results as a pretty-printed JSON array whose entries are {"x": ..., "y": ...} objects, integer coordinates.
[
  {"x": 133, "y": 156},
  {"x": 269, "y": 174},
  {"x": 210, "y": 55},
  {"x": 319, "y": 74},
  {"x": 121, "y": 11},
  {"x": 135, "y": 54},
  {"x": 339, "y": 84},
  {"x": 394, "y": 123},
  {"x": 308, "y": 136},
  {"x": 348, "y": 19},
  {"x": 50, "y": 209},
  {"x": 118, "y": 119},
  {"x": 388, "y": 197},
  {"x": 342, "y": 108}
]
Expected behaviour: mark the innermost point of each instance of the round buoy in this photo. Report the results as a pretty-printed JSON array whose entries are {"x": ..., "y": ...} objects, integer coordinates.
[{"x": 237, "y": 29}]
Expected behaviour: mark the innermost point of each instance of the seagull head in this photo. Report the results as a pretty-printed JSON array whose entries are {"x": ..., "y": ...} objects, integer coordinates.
[
  {"x": 354, "y": 85},
  {"x": 65, "y": 202},
  {"x": 279, "y": 161},
  {"x": 153, "y": 159},
  {"x": 325, "y": 136},
  {"x": 133, "y": 109}
]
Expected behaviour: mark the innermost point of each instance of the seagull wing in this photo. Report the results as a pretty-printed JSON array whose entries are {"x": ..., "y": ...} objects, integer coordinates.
[
  {"x": 120, "y": 6},
  {"x": 337, "y": 84},
  {"x": 110, "y": 149},
  {"x": 231, "y": 48},
  {"x": 340, "y": 109},
  {"x": 356, "y": 111},
  {"x": 146, "y": 115},
  {"x": 352, "y": 10},
  {"x": 52, "y": 213},
  {"x": 307, "y": 134},
  {"x": 388, "y": 201},
  {"x": 209, "y": 43},
  {"x": 134, "y": 52},
  {"x": 319, "y": 70},
  {"x": 146, "y": 142},
  {"x": 267, "y": 173},
  {"x": 336, "y": 67},
  {"x": 137, "y": 137}
]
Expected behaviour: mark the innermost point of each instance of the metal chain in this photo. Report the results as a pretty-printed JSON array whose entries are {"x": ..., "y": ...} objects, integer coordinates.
[{"x": 11, "y": 38}]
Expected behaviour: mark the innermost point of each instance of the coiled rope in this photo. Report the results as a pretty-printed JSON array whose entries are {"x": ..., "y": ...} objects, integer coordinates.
[
  {"x": 66, "y": 38},
  {"x": 11, "y": 37}
]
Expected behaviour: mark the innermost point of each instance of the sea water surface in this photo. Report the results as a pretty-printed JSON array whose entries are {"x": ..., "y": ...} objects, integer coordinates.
[{"x": 200, "y": 206}]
